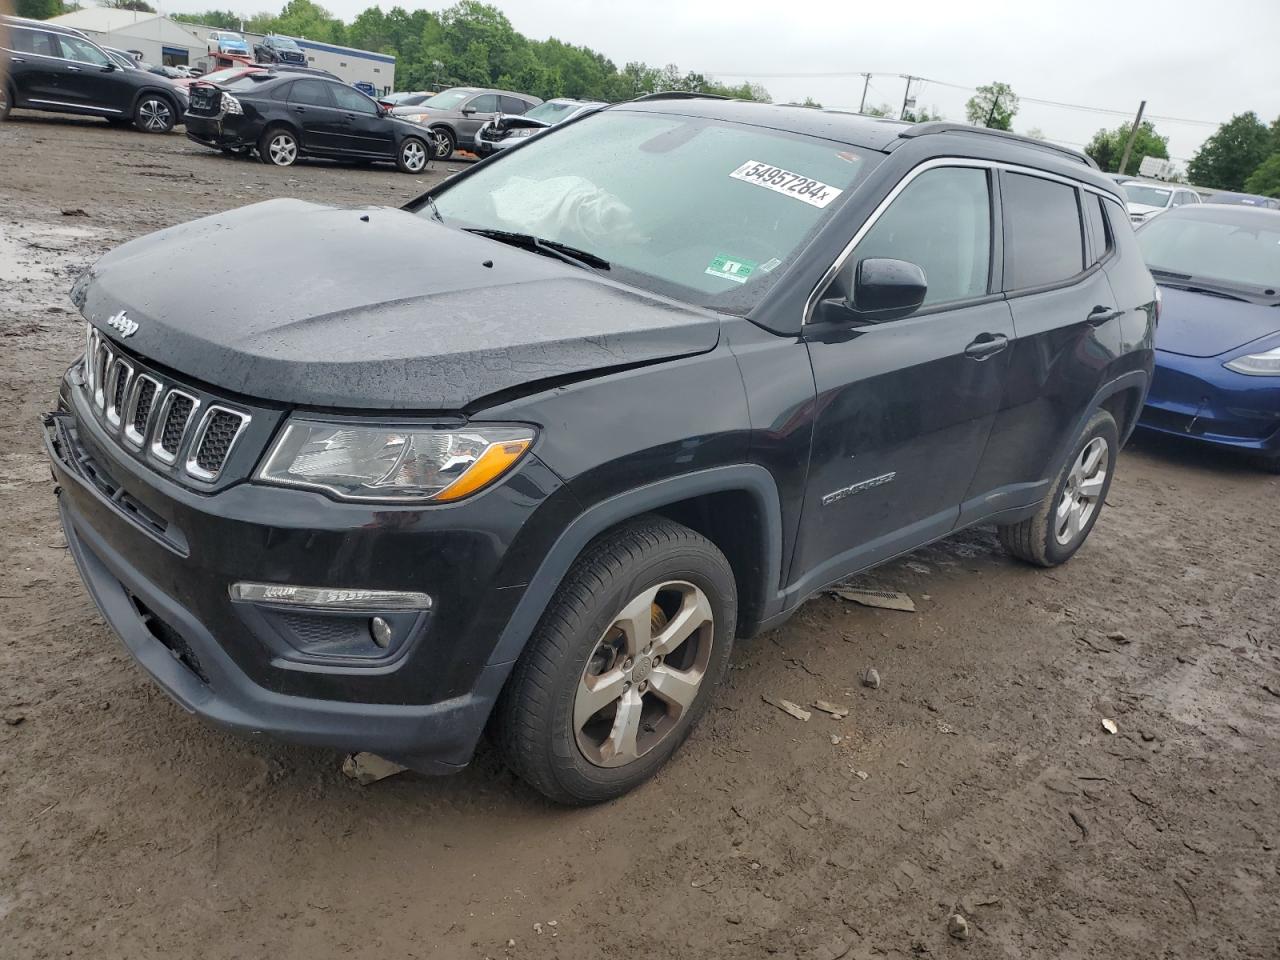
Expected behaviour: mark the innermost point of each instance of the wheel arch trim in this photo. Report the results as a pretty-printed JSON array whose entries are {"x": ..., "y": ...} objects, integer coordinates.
[{"x": 752, "y": 479}]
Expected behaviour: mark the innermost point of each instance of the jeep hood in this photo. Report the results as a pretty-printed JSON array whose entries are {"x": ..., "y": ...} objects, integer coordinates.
[{"x": 372, "y": 308}]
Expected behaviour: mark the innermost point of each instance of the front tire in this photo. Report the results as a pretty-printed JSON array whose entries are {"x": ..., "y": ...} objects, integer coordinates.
[
  {"x": 445, "y": 143},
  {"x": 155, "y": 114},
  {"x": 278, "y": 147},
  {"x": 1075, "y": 500},
  {"x": 622, "y": 665},
  {"x": 6, "y": 102},
  {"x": 413, "y": 155}
]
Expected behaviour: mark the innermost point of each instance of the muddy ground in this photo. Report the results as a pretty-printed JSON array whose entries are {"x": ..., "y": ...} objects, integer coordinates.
[{"x": 978, "y": 778}]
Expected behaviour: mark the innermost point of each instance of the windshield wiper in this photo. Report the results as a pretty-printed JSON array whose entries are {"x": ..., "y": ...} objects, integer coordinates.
[
  {"x": 550, "y": 248},
  {"x": 1157, "y": 271}
]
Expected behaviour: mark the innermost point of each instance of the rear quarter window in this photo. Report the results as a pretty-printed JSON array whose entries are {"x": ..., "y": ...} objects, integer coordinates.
[{"x": 1044, "y": 240}]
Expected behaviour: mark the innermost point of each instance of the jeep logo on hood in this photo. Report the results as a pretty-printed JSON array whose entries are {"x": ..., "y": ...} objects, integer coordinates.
[{"x": 121, "y": 323}]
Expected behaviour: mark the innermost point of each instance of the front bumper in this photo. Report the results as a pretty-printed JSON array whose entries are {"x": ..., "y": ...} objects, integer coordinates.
[
  {"x": 218, "y": 132},
  {"x": 1199, "y": 398},
  {"x": 167, "y": 595}
]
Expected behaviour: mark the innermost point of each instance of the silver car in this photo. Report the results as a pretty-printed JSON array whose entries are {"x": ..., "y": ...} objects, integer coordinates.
[
  {"x": 456, "y": 115},
  {"x": 504, "y": 132}
]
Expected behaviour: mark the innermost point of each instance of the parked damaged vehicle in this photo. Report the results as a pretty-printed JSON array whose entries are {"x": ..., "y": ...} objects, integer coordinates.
[
  {"x": 456, "y": 115},
  {"x": 285, "y": 115},
  {"x": 1217, "y": 374},
  {"x": 530, "y": 453},
  {"x": 505, "y": 131}
]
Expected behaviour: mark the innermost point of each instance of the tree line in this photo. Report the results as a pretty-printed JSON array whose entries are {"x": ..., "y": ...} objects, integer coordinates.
[{"x": 473, "y": 43}]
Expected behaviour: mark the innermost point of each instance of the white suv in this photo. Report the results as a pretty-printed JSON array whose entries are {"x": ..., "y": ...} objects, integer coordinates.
[{"x": 1147, "y": 198}]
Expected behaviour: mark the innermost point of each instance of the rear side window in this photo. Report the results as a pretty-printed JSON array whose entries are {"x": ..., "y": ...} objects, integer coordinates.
[
  {"x": 314, "y": 92},
  {"x": 1096, "y": 222},
  {"x": 1043, "y": 239},
  {"x": 1121, "y": 228},
  {"x": 942, "y": 223},
  {"x": 32, "y": 41},
  {"x": 513, "y": 105}
]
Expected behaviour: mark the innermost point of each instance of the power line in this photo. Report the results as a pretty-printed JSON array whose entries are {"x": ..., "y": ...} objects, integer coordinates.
[{"x": 958, "y": 86}]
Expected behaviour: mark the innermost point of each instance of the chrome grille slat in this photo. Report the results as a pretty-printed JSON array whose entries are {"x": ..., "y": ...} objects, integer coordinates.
[
  {"x": 176, "y": 414},
  {"x": 117, "y": 390},
  {"x": 142, "y": 404},
  {"x": 214, "y": 440}
]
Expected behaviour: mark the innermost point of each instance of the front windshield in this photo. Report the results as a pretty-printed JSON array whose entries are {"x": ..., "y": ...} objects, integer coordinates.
[
  {"x": 284, "y": 43},
  {"x": 551, "y": 112},
  {"x": 1228, "y": 253},
  {"x": 1147, "y": 196},
  {"x": 447, "y": 100},
  {"x": 701, "y": 210}
]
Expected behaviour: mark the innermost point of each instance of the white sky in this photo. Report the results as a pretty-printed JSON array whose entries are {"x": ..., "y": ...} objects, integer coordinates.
[{"x": 1188, "y": 60}]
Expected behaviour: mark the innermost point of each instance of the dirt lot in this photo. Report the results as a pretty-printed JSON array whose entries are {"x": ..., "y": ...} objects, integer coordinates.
[{"x": 979, "y": 777}]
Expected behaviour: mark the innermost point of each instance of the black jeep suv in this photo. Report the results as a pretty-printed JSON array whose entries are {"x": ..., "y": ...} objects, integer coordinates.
[
  {"x": 47, "y": 67},
  {"x": 532, "y": 452}
]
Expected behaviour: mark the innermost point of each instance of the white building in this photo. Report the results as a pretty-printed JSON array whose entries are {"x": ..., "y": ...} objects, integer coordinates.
[{"x": 159, "y": 40}]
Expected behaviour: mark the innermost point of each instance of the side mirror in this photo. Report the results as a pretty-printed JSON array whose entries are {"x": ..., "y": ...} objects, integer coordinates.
[
  {"x": 885, "y": 289},
  {"x": 468, "y": 111},
  {"x": 108, "y": 67}
]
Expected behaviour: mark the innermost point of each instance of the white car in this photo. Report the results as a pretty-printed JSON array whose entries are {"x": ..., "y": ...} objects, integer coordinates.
[
  {"x": 1146, "y": 198},
  {"x": 503, "y": 132}
]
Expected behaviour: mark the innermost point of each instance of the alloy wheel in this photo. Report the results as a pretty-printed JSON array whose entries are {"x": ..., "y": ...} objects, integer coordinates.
[
  {"x": 414, "y": 156},
  {"x": 156, "y": 115},
  {"x": 644, "y": 674},
  {"x": 283, "y": 149},
  {"x": 1083, "y": 491}
]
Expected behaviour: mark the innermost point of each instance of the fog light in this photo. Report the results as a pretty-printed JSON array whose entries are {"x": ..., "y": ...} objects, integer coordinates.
[{"x": 380, "y": 630}]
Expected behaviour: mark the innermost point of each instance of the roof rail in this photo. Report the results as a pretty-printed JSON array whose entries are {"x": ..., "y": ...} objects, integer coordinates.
[
  {"x": 678, "y": 95},
  {"x": 949, "y": 126}
]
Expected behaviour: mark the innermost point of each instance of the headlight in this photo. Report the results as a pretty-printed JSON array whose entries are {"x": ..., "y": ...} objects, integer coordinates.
[
  {"x": 230, "y": 105},
  {"x": 390, "y": 463},
  {"x": 521, "y": 132},
  {"x": 1257, "y": 364},
  {"x": 415, "y": 117}
]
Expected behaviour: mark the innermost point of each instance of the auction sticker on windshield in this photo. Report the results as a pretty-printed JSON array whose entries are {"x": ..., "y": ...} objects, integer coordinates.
[
  {"x": 731, "y": 268},
  {"x": 794, "y": 185}
]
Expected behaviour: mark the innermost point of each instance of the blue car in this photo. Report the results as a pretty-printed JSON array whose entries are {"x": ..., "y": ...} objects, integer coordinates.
[{"x": 1217, "y": 376}]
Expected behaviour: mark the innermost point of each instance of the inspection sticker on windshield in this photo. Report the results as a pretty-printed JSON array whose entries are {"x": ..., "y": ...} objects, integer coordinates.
[
  {"x": 795, "y": 185},
  {"x": 730, "y": 268}
]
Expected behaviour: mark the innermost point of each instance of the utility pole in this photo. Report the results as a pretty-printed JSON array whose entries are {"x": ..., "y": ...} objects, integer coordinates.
[
  {"x": 906, "y": 96},
  {"x": 1133, "y": 135},
  {"x": 991, "y": 115},
  {"x": 866, "y": 82}
]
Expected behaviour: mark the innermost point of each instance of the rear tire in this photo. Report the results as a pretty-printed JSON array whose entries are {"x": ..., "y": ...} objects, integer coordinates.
[
  {"x": 608, "y": 688},
  {"x": 278, "y": 147},
  {"x": 413, "y": 155},
  {"x": 155, "y": 113},
  {"x": 6, "y": 102},
  {"x": 1074, "y": 502}
]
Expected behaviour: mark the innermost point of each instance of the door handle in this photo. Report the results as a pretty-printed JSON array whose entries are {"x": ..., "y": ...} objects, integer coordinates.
[
  {"x": 1100, "y": 315},
  {"x": 73, "y": 69},
  {"x": 299, "y": 109},
  {"x": 986, "y": 345},
  {"x": 17, "y": 60}
]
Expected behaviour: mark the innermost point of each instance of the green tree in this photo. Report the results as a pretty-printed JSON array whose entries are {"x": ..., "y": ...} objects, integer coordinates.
[
  {"x": 39, "y": 9},
  {"x": 994, "y": 106},
  {"x": 877, "y": 110},
  {"x": 1266, "y": 179},
  {"x": 1107, "y": 146},
  {"x": 141, "y": 6},
  {"x": 923, "y": 115},
  {"x": 222, "y": 19},
  {"x": 1227, "y": 158}
]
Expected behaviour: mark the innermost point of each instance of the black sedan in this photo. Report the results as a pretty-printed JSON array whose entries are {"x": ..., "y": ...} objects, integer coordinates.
[{"x": 284, "y": 116}]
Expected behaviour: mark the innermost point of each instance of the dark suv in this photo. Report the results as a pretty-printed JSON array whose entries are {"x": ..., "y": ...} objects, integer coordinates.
[
  {"x": 47, "y": 67},
  {"x": 532, "y": 452}
]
